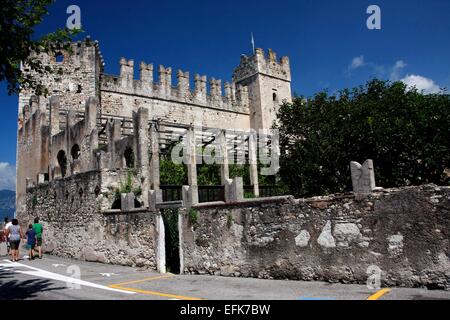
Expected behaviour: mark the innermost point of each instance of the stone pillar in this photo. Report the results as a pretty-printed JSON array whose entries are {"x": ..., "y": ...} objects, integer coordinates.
[
  {"x": 192, "y": 165},
  {"x": 183, "y": 83},
  {"x": 142, "y": 150},
  {"x": 190, "y": 196},
  {"x": 234, "y": 190},
  {"x": 363, "y": 178},
  {"x": 154, "y": 162},
  {"x": 127, "y": 201},
  {"x": 34, "y": 104},
  {"x": 160, "y": 244},
  {"x": 126, "y": 73},
  {"x": 154, "y": 197},
  {"x": 41, "y": 178},
  {"x": 113, "y": 134},
  {"x": 200, "y": 88},
  {"x": 252, "y": 152},
  {"x": 71, "y": 119},
  {"x": 90, "y": 115},
  {"x": 181, "y": 215},
  {"x": 224, "y": 168},
  {"x": 146, "y": 73},
  {"x": 54, "y": 115}
]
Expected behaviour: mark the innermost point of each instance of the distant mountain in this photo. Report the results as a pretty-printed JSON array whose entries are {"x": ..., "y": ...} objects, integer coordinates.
[{"x": 7, "y": 204}]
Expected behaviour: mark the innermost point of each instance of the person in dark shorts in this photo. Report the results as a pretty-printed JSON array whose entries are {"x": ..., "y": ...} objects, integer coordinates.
[
  {"x": 31, "y": 241},
  {"x": 37, "y": 227},
  {"x": 15, "y": 234}
]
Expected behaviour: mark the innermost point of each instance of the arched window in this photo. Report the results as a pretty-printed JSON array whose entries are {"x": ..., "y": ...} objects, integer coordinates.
[
  {"x": 275, "y": 97},
  {"x": 129, "y": 157},
  {"x": 75, "y": 152},
  {"x": 62, "y": 162}
]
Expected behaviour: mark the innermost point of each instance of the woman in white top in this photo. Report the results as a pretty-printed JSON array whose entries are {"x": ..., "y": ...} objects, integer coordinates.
[{"x": 15, "y": 234}]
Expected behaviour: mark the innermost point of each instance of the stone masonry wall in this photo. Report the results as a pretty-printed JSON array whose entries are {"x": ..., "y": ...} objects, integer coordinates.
[
  {"x": 74, "y": 226},
  {"x": 404, "y": 232}
]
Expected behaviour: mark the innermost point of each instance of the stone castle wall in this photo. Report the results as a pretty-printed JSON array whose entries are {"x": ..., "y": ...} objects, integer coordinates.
[
  {"x": 404, "y": 232},
  {"x": 75, "y": 227}
]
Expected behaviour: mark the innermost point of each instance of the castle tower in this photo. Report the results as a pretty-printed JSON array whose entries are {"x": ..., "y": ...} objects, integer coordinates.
[
  {"x": 74, "y": 78},
  {"x": 269, "y": 85}
]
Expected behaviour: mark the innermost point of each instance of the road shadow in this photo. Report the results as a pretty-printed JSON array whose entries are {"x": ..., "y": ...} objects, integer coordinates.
[{"x": 12, "y": 288}]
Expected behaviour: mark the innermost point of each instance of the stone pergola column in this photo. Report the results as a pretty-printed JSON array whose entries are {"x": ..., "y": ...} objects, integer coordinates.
[
  {"x": 142, "y": 148},
  {"x": 224, "y": 168},
  {"x": 192, "y": 165},
  {"x": 253, "y": 160},
  {"x": 154, "y": 162},
  {"x": 54, "y": 116}
]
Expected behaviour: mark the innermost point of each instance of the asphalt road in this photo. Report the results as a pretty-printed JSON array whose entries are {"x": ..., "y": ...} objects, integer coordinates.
[{"x": 54, "y": 278}]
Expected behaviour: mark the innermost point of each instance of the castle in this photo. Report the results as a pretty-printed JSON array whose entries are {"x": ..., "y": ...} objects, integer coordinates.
[
  {"x": 95, "y": 121},
  {"x": 97, "y": 133}
]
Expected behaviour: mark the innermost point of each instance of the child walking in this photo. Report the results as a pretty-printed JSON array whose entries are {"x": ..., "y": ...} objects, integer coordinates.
[{"x": 31, "y": 241}]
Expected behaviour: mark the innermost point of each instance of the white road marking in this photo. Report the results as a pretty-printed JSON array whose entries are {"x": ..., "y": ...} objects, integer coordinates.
[
  {"x": 108, "y": 275},
  {"x": 53, "y": 276},
  {"x": 58, "y": 265}
]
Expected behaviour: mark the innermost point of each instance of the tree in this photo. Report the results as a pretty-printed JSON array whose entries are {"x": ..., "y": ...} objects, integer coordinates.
[
  {"x": 405, "y": 132},
  {"x": 19, "y": 46}
]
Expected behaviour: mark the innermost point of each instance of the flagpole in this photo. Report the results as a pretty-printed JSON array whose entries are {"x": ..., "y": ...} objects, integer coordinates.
[{"x": 253, "y": 44}]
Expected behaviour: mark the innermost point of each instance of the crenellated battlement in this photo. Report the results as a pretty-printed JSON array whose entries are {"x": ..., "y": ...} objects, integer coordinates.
[
  {"x": 218, "y": 96},
  {"x": 263, "y": 64},
  {"x": 95, "y": 121}
]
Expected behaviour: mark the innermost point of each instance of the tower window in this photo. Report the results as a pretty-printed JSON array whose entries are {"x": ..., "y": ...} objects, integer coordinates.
[
  {"x": 275, "y": 97},
  {"x": 62, "y": 162},
  {"x": 59, "y": 57},
  {"x": 129, "y": 158},
  {"x": 75, "y": 152}
]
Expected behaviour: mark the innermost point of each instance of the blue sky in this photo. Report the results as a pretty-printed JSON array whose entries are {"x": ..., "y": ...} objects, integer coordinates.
[{"x": 328, "y": 42}]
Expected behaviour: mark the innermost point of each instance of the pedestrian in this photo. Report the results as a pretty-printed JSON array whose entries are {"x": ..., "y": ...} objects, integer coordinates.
[
  {"x": 31, "y": 241},
  {"x": 15, "y": 234},
  {"x": 7, "y": 225},
  {"x": 37, "y": 227}
]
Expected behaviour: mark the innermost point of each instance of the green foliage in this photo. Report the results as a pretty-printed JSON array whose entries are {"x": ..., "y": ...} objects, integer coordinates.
[
  {"x": 170, "y": 218},
  {"x": 405, "y": 132},
  {"x": 193, "y": 216},
  {"x": 18, "y": 18},
  {"x": 171, "y": 173},
  {"x": 128, "y": 186},
  {"x": 249, "y": 195},
  {"x": 34, "y": 201},
  {"x": 230, "y": 221},
  {"x": 208, "y": 175}
]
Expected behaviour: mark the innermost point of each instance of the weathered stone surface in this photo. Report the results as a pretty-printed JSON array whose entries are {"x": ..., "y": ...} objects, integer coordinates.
[
  {"x": 302, "y": 239},
  {"x": 401, "y": 231},
  {"x": 74, "y": 226},
  {"x": 363, "y": 177},
  {"x": 346, "y": 233},
  {"x": 326, "y": 238},
  {"x": 78, "y": 84}
]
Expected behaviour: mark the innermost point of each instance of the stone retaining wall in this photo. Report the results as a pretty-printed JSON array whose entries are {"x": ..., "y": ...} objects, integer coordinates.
[
  {"x": 75, "y": 227},
  {"x": 404, "y": 232}
]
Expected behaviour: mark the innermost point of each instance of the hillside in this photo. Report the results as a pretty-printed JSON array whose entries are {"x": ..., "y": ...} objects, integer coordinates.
[{"x": 7, "y": 204}]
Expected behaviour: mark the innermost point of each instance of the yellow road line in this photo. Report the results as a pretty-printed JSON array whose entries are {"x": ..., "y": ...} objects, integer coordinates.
[
  {"x": 144, "y": 280},
  {"x": 154, "y": 293},
  {"x": 379, "y": 294}
]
